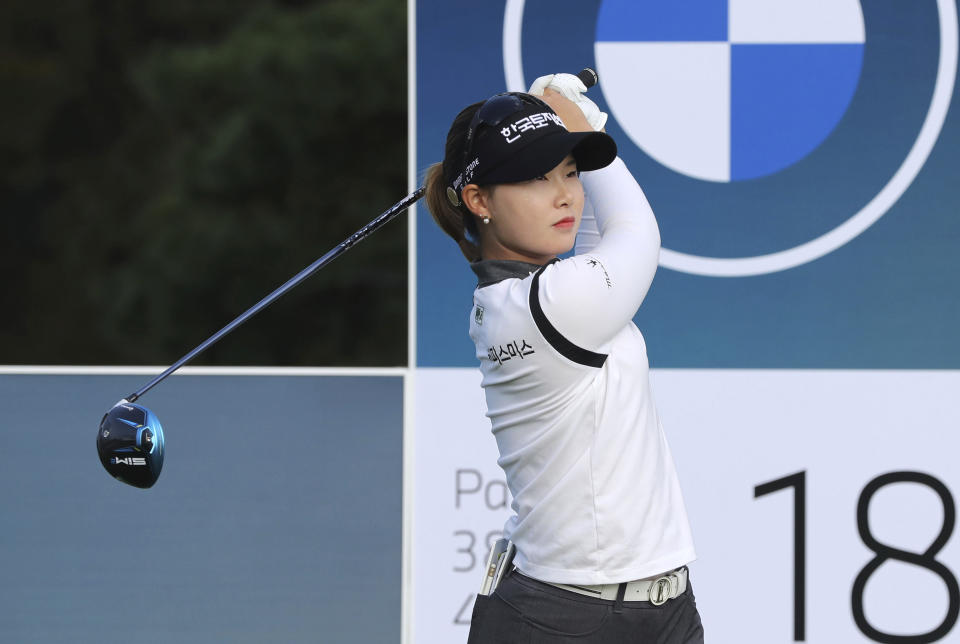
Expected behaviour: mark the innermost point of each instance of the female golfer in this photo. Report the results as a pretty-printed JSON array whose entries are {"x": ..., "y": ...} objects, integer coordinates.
[{"x": 600, "y": 530}]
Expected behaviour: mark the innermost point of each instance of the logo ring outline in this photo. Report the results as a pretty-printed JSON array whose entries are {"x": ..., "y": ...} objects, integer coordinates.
[{"x": 838, "y": 236}]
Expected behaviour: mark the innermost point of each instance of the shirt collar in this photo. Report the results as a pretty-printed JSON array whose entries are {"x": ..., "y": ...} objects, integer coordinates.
[{"x": 491, "y": 271}]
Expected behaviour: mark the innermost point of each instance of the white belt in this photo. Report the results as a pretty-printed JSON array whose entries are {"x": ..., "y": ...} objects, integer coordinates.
[{"x": 656, "y": 591}]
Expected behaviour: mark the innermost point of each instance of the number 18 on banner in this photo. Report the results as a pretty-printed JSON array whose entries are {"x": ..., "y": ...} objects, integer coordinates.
[{"x": 884, "y": 553}]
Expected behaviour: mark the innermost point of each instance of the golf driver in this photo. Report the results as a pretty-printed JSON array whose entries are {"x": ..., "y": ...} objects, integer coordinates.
[
  {"x": 130, "y": 444},
  {"x": 130, "y": 438}
]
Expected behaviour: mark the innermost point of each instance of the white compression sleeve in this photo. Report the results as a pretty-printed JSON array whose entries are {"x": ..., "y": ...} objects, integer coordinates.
[
  {"x": 590, "y": 297},
  {"x": 589, "y": 234}
]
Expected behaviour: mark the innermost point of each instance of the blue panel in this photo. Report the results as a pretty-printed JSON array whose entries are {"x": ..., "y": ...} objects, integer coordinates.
[
  {"x": 785, "y": 101},
  {"x": 453, "y": 70},
  {"x": 277, "y": 516},
  {"x": 887, "y": 299},
  {"x": 660, "y": 20}
]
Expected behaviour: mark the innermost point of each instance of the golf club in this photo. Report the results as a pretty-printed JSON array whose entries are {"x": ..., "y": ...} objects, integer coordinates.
[{"x": 130, "y": 438}]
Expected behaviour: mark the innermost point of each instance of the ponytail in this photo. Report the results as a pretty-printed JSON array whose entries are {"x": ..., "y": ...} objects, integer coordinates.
[
  {"x": 451, "y": 219},
  {"x": 456, "y": 221}
]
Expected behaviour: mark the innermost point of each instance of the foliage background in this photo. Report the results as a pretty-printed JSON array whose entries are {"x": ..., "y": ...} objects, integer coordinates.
[{"x": 165, "y": 164}]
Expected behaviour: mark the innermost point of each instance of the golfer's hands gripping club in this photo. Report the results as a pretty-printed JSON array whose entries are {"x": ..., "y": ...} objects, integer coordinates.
[{"x": 573, "y": 90}]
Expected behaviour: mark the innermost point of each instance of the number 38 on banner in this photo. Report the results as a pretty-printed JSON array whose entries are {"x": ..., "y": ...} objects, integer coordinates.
[{"x": 883, "y": 553}]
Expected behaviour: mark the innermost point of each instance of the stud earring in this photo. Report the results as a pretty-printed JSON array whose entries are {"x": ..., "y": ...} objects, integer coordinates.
[{"x": 486, "y": 220}]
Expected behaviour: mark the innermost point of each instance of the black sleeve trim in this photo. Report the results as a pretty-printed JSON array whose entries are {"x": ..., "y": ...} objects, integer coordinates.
[{"x": 566, "y": 348}]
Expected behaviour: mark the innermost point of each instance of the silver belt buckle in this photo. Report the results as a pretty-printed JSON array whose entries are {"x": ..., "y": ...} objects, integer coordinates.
[{"x": 659, "y": 591}]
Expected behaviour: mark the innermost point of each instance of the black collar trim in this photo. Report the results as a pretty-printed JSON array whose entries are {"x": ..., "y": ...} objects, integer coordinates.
[
  {"x": 491, "y": 271},
  {"x": 565, "y": 347}
]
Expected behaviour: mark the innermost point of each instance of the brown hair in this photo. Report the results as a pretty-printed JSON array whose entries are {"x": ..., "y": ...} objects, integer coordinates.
[{"x": 456, "y": 221}]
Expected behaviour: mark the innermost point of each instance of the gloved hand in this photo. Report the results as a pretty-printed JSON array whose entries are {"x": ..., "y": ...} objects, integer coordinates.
[{"x": 573, "y": 89}]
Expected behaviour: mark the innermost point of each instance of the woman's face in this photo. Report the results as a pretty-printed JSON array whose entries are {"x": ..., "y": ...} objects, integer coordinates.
[{"x": 533, "y": 221}]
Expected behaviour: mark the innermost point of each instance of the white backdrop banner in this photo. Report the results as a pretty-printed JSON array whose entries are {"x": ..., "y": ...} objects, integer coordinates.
[{"x": 821, "y": 501}]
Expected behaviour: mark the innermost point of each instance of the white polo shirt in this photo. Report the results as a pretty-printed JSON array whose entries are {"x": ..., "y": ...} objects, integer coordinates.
[{"x": 595, "y": 494}]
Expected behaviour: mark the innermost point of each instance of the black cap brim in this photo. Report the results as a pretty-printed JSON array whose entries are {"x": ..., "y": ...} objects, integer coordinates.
[{"x": 592, "y": 151}]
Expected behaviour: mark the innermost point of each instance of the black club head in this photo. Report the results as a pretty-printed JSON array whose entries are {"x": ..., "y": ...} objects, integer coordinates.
[{"x": 130, "y": 444}]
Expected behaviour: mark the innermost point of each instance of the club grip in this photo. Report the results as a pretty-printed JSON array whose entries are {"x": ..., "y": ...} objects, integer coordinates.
[{"x": 588, "y": 77}]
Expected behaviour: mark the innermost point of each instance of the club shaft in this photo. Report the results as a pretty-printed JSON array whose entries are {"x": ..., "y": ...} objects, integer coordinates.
[{"x": 344, "y": 246}]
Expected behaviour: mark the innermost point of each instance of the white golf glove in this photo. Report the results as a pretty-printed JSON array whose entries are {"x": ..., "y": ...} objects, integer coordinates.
[{"x": 572, "y": 88}]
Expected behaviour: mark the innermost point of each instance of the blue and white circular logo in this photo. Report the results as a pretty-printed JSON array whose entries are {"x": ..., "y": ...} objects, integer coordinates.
[
  {"x": 766, "y": 132},
  {"x": 726, "y": 93}
]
